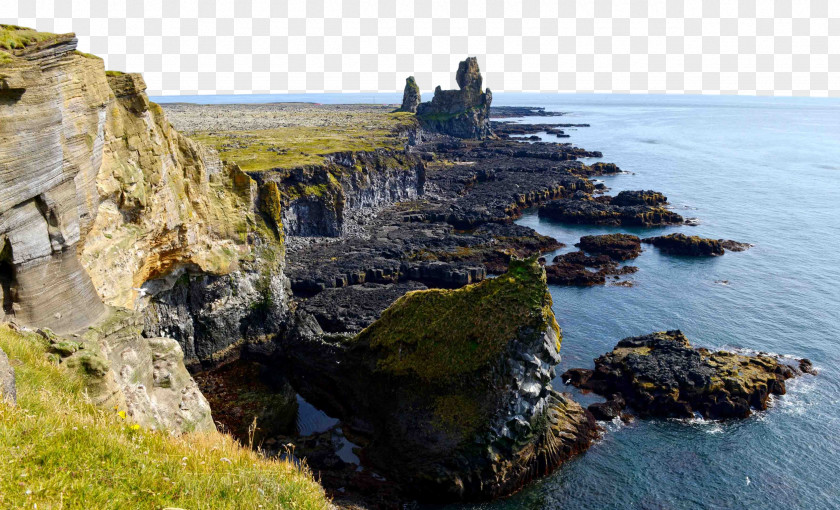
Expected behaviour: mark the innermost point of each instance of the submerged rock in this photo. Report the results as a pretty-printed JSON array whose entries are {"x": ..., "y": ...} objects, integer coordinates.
[
  {"x": 662, "y": 374},
  {"x": 8, "y": 393},
  {"x": 411, "y": 96},
  {"x": 616, "y": 246},
  {"x": 612, "y": 210},
  {"x": 463, "y": 113},
  {"x": 449, "y": 391}
]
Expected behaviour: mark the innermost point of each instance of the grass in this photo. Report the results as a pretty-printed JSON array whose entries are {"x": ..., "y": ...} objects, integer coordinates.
[
  {"x": 13, "y": 37},
  {"x": 58, "y": 451},
  {"x": 440, "y": 335},
  {"x": 291, "y": 147}
]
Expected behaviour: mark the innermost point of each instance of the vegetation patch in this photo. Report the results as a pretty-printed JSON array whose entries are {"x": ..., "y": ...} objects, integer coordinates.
[
  {"x": 13, "y": 37},
  {"x": 441, "y": 334},
  {"x": 291, "y": 147},
  {"x": 60, "y": 451}
]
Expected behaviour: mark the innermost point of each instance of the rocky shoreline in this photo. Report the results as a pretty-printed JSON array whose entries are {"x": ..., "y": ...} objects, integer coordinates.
[{"x": 363, "y": 258}]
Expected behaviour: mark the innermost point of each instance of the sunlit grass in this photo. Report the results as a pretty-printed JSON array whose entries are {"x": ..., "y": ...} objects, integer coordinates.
[{"x": 58, "y": 451}]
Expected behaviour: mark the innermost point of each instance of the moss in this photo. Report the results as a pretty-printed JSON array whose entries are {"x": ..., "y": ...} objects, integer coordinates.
[
  {"x": 458, "y": 414},
  {"x": 13, "y": 37},
  {"x": 90, "y": 56},
  {"x": 65, "y": 348},
  {"x": 114, "y": 73},
  {"x": 441, "y": 334},
  {"x": 89, "y": 364}
]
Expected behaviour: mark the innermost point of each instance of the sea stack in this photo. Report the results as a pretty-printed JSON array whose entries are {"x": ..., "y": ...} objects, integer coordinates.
[
  {"x": 449, "y": 392},
  {"x": 462, "y": 113},
  {"x": 411, "y": 96}
]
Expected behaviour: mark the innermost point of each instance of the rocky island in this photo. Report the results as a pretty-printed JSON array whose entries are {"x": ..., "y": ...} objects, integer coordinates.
[{"x": 168, "y": 268}]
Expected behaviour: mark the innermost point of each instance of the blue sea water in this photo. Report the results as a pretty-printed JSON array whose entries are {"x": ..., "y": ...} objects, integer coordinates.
[{"x": 760, "y": 170}]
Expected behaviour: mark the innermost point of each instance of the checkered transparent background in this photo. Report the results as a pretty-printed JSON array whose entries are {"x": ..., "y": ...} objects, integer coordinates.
[{"x": 781, "y": 47}]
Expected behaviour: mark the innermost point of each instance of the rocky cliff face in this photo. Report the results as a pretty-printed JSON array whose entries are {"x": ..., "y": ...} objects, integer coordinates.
[
  {"x": 102, "y": 201},
  {"x": 449, "y": 391},
  {"x": 52, "y": 127},
  {"x": 463, "y": 113}
]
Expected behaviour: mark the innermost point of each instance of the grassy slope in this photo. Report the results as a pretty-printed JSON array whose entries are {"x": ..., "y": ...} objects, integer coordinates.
[{"x": 57, "y": 451}]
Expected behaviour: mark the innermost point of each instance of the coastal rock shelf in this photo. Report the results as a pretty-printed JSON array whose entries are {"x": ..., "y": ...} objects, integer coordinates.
[
  {"x": 694, "y": 246},
  {"x": 448, "y": 392},
  {"x": 662, "y": 374},
  {"x": 644, "y": 209}
]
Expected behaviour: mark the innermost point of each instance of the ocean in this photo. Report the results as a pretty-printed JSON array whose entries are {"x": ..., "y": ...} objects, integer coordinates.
[{"x": 760, "y": 170}]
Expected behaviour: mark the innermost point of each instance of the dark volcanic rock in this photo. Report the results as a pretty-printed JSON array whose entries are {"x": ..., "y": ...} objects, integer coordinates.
[
  {"x": 463, "y": 113},
  {"x": 595, "y": 212},
  {"x": 573, "y": 269},
  {"x": 411, "y": 96},
  {"x": 616, "y": 246},
  {"x": 8, "y": 393},
  {"x": 609, "y": 410},
  {"x": 448, "y": 393},
  {"x": 731, "y": 245},
  {"x": 661, "y": 374},
  {"x": 501, "y": 112},
  {"x": 351, "y": 309},
  {"x": 645, "y": 197},
  {"x": 681, "y": 244}
]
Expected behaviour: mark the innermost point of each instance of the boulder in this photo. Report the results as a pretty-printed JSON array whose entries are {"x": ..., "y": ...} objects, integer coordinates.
[
  {"x": 8, "y": 393},
  {"x": 616, "y": 246},
  {"x": 662, "y": 374},
  {"x": 603, "y": 211}
]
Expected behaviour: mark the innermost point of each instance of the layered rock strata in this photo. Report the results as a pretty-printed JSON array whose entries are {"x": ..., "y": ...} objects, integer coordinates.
[
  {"x": 448, "y": 392},
  {"x": 662, "y": 374}
]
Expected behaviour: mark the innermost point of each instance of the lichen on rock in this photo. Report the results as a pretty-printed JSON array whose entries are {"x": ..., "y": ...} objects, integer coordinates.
[{"x": 662, "y": 374}]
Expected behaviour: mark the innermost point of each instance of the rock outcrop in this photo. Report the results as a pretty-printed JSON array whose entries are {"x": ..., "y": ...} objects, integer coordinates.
[
  {"x": 582, "y": 270},
  {"x": 8, "y": 393},
  {"x": 463, "y": 113},
  {"x": 411, "y": 96},
  {"x": 53, "y": 105},
  {"x": 100, "y": 199},
  {"x": 449, "y": 391},
  {"x": 618, "y": 247},
  {"x": 627, "y": 209},
  {"x": 661, "y": 374},
  {"x": 694, "y": 246}
]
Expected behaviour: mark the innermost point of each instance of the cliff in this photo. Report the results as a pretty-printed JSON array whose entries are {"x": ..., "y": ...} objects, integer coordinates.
[
  {"x": 463, "y": 113},
  {"x": 102, "y": 205}
]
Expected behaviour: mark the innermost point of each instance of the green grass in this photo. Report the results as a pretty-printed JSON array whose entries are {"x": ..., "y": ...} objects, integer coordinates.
[
  {"x": 58, "y": 451},
  {"x": 290, "y": 147},
  {"x": 441, "y": 334},
  {"x": 13, "y": 37}
]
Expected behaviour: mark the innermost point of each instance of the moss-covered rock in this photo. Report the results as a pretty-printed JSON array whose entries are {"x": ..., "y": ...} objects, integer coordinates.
[
  {"x": 662, "y": 374},
  {"x": 449, "y": 391}
]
